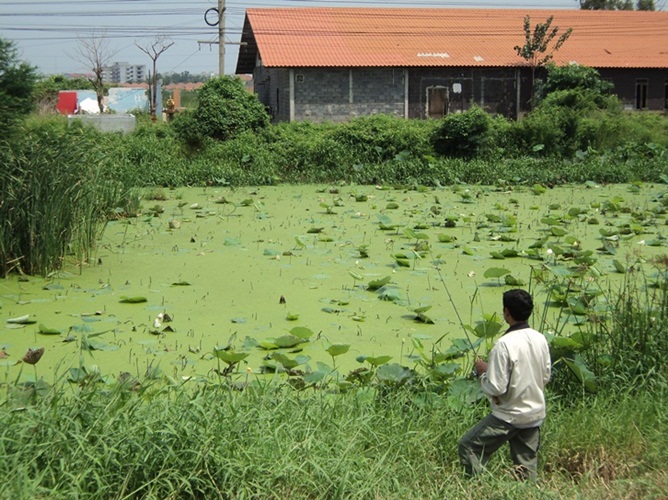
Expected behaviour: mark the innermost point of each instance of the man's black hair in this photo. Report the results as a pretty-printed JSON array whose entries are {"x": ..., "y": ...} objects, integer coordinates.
[{"x": 519, "y": 304}]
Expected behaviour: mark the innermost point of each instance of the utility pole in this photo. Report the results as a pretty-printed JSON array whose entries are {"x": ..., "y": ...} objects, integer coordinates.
[
  {"x": 220, "y": 22},
  {"x": 221, "y": 37}
]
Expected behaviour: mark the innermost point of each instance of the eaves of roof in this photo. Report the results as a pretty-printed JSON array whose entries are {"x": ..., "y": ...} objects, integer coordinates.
[{"x": 393, "y": 37}]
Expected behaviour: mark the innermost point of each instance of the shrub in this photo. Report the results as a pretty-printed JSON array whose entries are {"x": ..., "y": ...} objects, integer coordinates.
[
  {"x": 381, "y": 138},
  {"x": 226, "y": 109},
  {"x": 462, "y": 135},
  {"x": 573, "y": 77}
]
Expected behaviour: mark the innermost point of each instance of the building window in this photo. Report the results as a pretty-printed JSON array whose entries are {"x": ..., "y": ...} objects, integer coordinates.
[
  {"x": 665, "y": 95},
  {"x": 278, "y": 101},
  {"x": 438, "y": 102},
  {"x": 641, "y": 93}
]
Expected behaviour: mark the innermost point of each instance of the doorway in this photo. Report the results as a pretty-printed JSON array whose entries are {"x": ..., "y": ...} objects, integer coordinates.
[{"x": 438, "y": 102}]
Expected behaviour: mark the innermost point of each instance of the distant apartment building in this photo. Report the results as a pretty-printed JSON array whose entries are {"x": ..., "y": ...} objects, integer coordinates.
[{"x": 122, "y": 72}]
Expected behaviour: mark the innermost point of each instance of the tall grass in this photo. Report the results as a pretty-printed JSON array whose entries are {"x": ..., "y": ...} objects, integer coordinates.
[
  {"x": 270, "y": 441},
  {"x": 54, "y": 198},
  {"x": 631, "y": 347}
]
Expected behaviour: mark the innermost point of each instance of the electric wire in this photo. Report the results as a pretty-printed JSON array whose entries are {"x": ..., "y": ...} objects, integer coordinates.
[{"x": 41, "y": 21}]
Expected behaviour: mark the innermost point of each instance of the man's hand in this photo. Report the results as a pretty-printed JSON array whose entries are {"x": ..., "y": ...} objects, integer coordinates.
[{"x": 480, "y": 366}]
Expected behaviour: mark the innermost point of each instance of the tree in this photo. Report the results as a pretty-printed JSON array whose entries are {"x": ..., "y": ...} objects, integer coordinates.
[
  {"x": 225, "y": 110},
  {"x": 536, "y": 49},
  {"x": 17, "y": 79},
  {"x": 154, "y": 50},
  {"x": 617, "y": 5},
  {"x": 94, "y": 52}
]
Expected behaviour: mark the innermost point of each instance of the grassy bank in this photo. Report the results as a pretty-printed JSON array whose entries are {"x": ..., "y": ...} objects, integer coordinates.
[{"x": 269, "y": 441}]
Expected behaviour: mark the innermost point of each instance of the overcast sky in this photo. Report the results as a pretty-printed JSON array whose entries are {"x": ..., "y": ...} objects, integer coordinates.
[{"x": 46, "y": 32}]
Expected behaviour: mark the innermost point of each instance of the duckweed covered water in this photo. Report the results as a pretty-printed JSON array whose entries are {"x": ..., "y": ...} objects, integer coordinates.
[{"x": 243, "y": 267}]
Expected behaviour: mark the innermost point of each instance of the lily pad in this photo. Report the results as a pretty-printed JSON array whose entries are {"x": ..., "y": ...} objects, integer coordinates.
[
  {"x": 495, "y": 272},
  {"x": 48, "y": 331},
  {"x": 338, "y": 349},
  {"x": 132, "y": 300}
]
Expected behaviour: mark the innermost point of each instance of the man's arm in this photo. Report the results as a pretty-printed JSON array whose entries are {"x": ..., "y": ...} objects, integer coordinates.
[{"x": 494, "y": 376}]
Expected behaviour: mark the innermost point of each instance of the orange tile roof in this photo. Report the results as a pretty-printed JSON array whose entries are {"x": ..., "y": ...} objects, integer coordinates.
[{"x": 364, "y": 37}]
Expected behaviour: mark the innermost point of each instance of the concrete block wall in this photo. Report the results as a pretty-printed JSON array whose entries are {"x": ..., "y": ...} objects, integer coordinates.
[{"x": 339, "y": 94}]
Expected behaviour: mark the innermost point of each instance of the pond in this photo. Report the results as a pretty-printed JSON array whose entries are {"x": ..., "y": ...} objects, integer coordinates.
[{"x": 369, "y": 267}]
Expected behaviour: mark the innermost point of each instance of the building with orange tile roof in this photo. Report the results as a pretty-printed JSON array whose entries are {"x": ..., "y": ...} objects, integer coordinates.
[{"x": 336, "y": 63}]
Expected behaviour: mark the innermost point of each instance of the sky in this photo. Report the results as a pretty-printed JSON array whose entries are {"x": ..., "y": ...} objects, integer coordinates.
[{"x": 48, "y": 33}]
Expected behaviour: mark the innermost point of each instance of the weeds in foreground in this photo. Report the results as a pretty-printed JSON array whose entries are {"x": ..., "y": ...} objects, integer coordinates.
[
  {"x": 387, "y": 434},
  {"x": 269, "y": 440}
]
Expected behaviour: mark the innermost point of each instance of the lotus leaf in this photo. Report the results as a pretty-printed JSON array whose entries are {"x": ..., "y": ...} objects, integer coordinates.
[
  {"x": 302, "y": 332},
  {"x": 539, "y": 243},
  {"x": 513, "y": 281},
  {"x": 48, "y": 331},
  {"x": 338, "y": 349},
  {"x": 583, "y": 374},
  {"x": 538, "y": 189},
  {"x": 377, "y": 360},
  {"x": 230, "y": 356},
  {"x": 389, "y": 293},
  {"x": 355, "y": 275},
  {"x": 133, "y": 300},
  {"x": 463, "y": 393},
  {"x": 445, "y": 370},
  {"x": 423, "y": 318},
  {"x": 619, "y": 267},
  {"x": 495, "y": 272},
  {"x": 393, "y": 372},
  {"x": 288, "y": 362},
  {"x": 446, "y": 238},
  {"x": 376, "y": 284},
  {"x": 287, "y": 341}
]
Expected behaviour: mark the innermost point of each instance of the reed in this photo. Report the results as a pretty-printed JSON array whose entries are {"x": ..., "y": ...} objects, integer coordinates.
[{"x": 54, "y": 199}]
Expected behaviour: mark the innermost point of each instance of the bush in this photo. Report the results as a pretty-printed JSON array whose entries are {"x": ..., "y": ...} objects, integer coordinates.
[
  {"x": 573, "y": 77},
  {"x": 462, "y": 135},
  {"x": 226, "y": 109},
  {"x": 381, "y": 138}
]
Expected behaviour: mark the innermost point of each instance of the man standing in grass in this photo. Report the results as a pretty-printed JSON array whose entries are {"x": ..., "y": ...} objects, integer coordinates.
[{"x": 513, "y": 380}]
